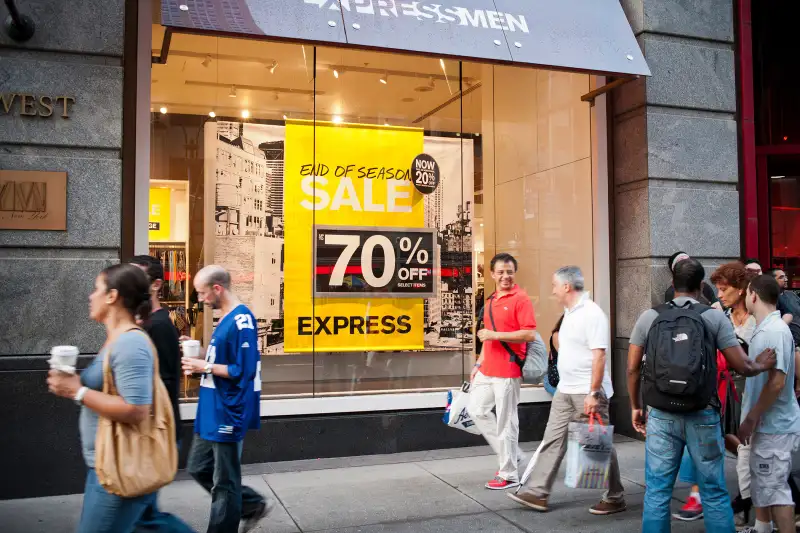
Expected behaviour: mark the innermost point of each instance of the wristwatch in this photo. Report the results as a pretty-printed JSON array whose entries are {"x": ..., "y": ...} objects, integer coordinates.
[
  {"x": 596, "y": 394},
  {"x": 208, "y": 368},
  {"x": 80, "y": 394}
]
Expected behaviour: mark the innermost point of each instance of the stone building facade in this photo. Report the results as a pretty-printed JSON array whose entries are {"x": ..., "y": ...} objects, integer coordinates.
[{"x": 674, "y": 173}]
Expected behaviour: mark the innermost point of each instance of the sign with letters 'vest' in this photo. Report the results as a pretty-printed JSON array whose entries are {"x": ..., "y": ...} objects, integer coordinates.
[{"x": 33, "y": 200}]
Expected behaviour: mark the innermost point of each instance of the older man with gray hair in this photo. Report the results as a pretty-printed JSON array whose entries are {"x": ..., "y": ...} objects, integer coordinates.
[{"x": 583, "y": 390}]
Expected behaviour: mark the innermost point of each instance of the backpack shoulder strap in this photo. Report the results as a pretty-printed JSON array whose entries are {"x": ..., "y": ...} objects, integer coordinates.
[
  {"x": 664, "y": 307},
  {"x": 700, "y": 308}
]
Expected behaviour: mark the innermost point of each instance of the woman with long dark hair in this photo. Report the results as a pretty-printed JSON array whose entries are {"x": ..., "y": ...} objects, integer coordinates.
[{"x": 121, "y": 295}]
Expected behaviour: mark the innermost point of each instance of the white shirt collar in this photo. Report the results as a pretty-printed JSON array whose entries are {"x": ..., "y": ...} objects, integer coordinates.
[{"x": 581, "y": 302}]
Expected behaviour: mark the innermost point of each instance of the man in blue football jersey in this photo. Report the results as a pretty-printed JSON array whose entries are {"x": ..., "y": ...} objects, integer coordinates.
[{"x": 229, "y": 400}]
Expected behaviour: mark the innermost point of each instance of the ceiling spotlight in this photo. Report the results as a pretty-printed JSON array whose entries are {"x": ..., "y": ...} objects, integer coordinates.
[
  {"x": 384, "y": 79},
  {"x": 212, "y": 114},
  {"x": 207, "y": 61},
  {"x": 385, "y": 123},
  {"x": 273, "y": 67},
  {"x": 232, "y": 94},
  {"x": 337, "y": 119},
  {"x": 183, "y": 7},
  {"x": 285, "y": 117},
  {"x": 336, "y": 74},
  {"x": 163, "y": 110},
  {"x": 245, "y": 113}
]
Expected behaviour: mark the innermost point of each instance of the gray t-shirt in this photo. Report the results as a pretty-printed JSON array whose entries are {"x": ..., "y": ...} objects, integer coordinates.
[
  {"x": 783, "y": 416},
  {"x": 717, "y": 323},
  {"x": 132, "y": 367}
]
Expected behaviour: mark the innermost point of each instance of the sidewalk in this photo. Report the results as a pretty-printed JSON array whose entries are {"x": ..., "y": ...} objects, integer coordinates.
[{"x": 420, "y": 492}]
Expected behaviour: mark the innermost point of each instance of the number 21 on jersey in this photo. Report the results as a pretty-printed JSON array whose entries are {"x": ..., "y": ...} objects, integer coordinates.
[{"x": 244, "y": 322}]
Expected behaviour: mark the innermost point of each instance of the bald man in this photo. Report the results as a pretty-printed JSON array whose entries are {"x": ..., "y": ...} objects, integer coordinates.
[{"x": 229, "y": 401}]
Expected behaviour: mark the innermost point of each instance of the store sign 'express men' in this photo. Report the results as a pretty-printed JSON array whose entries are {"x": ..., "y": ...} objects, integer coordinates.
[
  {"x": 477, "y": 18},
  {"x": 29, "y": 105}
]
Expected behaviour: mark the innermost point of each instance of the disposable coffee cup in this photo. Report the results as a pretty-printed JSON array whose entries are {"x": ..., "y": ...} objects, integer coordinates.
[
  {"x": 191, "y": 349},
  {"x": 64, "y": 358}
]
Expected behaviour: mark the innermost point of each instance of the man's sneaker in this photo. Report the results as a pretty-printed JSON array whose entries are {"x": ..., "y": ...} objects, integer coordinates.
[
  {"x": 261, "y": 512},
  {"x": 530, "y": 501},
  {"x": 499, "y": 483},
  {"x": 604, "y": 507},
  {"x": 691, "y": 510}
]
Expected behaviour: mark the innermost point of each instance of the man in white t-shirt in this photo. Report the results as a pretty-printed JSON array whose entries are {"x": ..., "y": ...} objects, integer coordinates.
[{"x": 584, "y": 389}]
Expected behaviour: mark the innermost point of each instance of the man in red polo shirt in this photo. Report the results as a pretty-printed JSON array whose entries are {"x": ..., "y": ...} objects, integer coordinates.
[{"x": 497, "y": 375}]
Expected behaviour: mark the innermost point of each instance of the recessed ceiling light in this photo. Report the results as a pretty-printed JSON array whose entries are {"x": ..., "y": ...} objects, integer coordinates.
[
  {"x": 384, "y": 79},
  {"x": 285, "y": 117},
  {"x": 232, "y": 94},
  {"x": 183, "y": 7},
  {"x": 212, "y": 114},
  {"x": 336, "y": 74},
  {"x": 385, "y": 123},
  {"x": 163, "y": 110},
  {"x": 337, "y": 119},
  {"x": 245, "y": 113}
]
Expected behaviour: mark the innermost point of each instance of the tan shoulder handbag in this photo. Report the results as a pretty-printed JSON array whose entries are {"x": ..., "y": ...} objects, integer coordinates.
[{"x": 133, "y": 460}]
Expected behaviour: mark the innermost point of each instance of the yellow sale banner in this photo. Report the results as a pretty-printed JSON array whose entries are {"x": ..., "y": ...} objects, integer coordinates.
[
  {"x": 356, "y": 177},
  {"x": 159, "y": 218}
]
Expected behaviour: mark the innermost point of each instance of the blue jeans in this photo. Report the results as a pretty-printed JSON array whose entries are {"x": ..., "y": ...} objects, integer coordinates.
[
  {"x": 687, "y": 473},
  {"x": 217, "y": 467},
  {"x": 668, "y": 434},
  {"x": 104, "y": 512}
]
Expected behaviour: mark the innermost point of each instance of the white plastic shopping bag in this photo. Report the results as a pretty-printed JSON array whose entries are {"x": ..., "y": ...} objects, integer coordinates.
[
  {"x": 589, "y": 454},
  {"x": 456, "y": 414}
]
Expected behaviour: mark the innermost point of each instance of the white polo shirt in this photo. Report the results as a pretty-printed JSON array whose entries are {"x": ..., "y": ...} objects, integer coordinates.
[{"x": 585, "y": 328}]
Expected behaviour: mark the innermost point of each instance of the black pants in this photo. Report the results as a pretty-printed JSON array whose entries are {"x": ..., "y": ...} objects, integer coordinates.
[{"x": 217, "y": 467}]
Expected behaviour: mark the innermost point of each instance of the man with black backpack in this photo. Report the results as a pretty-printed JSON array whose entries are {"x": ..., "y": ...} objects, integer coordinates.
[
  {"x": 497, "y": 375},
  {"x": 673, "y": 350}
]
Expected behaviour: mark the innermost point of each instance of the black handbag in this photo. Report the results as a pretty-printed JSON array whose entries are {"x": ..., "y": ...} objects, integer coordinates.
[{"x": 552, "y": 365}]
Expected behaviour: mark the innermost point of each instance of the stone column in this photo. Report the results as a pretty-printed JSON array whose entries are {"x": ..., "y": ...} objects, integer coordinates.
[
  {"x": 675, "y": 159},
  {"x": 47, "y": 276}
]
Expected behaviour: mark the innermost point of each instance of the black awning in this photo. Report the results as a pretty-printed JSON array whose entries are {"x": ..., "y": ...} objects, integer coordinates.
[{"x": 586, "y": 35}]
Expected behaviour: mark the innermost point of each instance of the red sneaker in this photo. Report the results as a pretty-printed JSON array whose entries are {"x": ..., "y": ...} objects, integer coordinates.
[
  {"x": 692, "y": 510},
  {"x": 499, "y": 483}
]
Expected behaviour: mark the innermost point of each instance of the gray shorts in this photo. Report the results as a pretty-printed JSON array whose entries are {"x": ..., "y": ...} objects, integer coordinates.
[{"x": 770, "y": 466}]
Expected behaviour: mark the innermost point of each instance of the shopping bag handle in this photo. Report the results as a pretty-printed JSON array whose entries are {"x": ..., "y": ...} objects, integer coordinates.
[
  {"x": 594, "y": 417},
  {"x": 465, "y": 386}
]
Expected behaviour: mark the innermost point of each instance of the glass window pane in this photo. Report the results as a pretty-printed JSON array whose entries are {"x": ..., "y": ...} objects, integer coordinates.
[
  {"x": 536, "y": 177},
  {"x": 378, "y": 238},
  {"x": 222, "y": 132}
]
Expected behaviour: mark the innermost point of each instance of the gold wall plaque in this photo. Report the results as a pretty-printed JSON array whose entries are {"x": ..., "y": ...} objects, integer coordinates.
[{"x": 33, "y": 200}]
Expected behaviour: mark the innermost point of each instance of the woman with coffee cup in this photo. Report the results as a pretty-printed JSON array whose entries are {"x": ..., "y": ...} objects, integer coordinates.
[{"x": 121, "y": 295}]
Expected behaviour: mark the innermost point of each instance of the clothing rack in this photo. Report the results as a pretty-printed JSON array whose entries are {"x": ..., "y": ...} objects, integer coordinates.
[{"x": 173, "y": 257}]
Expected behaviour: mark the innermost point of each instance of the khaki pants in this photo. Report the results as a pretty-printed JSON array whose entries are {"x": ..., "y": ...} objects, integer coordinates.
[
  {"x": 500, "y": 431},
  {"x": 567, "y": 408}
]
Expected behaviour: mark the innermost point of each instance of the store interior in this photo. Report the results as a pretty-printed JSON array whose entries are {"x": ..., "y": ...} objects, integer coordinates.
[{"x": 517, "y": 147}]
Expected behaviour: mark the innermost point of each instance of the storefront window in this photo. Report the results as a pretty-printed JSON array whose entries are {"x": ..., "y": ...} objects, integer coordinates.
[
  {"x": 357, "y": 198},
  {"x": 784, "y": 187}
]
